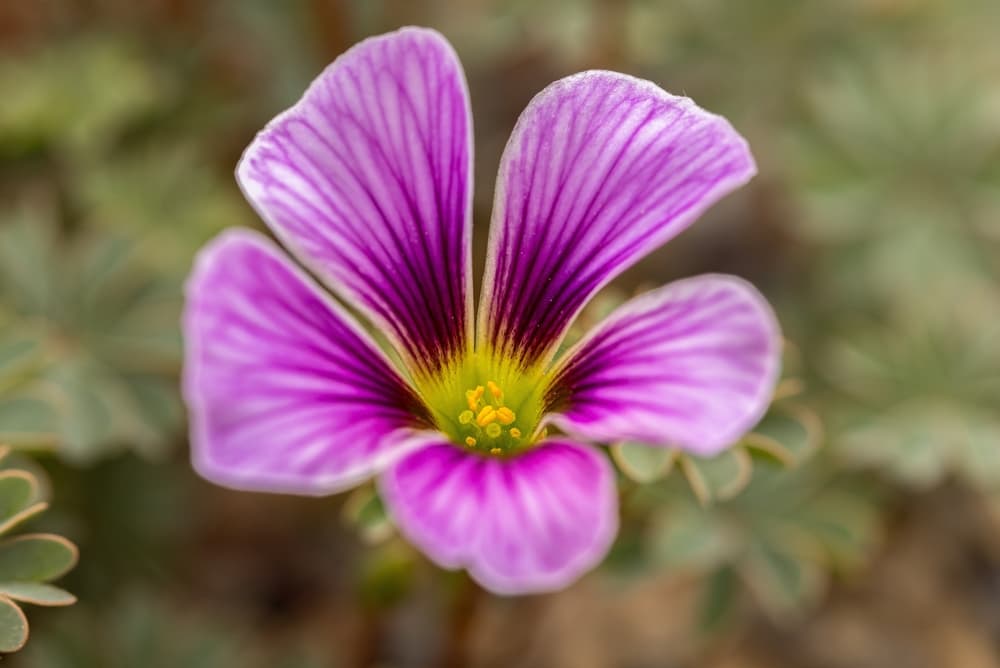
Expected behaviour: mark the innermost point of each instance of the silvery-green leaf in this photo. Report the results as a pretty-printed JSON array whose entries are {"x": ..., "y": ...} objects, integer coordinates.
[
  {"x": 643, "y": 463},
  {"x": 35, "y": 558},
  {"x": 36, "y": 593},
  {"x": 13, "y": 626}
]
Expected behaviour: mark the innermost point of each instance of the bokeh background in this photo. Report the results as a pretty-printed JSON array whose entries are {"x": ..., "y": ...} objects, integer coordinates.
[{"x": 861, "y": 526}]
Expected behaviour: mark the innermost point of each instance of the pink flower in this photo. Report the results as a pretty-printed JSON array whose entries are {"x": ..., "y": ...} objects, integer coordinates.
[{"x": 480, "y": 435}]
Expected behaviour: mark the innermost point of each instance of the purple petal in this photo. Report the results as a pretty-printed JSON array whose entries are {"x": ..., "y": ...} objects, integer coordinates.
[
  {"x": 691, "y": 365},
  {"x": 367, "y": 179},
  {"x": 285, "y": 392},
  {"x": 532, "y": 523},
  {"x": 601, "y": 169}
]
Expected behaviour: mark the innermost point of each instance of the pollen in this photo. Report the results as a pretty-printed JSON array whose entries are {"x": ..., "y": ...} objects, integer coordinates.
[
  {"x": 473, "y": 397},
  {"x": 505, "y": 415},
  {"x": 484, "y": 422},
  {"x": 486, "y": 416},
  {"x": 495, "y": 391}
]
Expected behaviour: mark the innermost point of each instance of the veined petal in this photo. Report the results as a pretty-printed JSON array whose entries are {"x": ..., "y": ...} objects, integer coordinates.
[
  {"x": 368, "y": 180},
  {"x": 531, "y": 523},
  {"x": 601, "y": 169},
  {"x": 690, "y": 365},
  {"x": 285, "y": 392}
]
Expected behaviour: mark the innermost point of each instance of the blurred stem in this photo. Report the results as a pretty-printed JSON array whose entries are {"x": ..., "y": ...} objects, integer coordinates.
[
  {"x": 366, "y": 654},
  {"x": 463, "y": 612}
]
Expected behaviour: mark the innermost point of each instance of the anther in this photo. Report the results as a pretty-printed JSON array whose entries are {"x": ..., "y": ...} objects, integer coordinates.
[
  {"x": 472, "y": 397},
  {"x": 469, "y": 441},
  {"x": 495, "y": 390},
  {"x": 486, "y": 416},
  {"x": 495, "y": 451},
  {"x": 465, "y": 417},
  {"x": 493, "y": 430},
  {"x": 505, "y": 415},
  {"x": 515, "y": 432}
]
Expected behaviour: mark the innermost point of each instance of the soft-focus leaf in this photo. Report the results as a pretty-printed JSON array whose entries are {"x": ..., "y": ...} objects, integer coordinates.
[
  {"x": 36, "y": 593},
  {"x": 17, "y": 490},
  {"x": 13, "y": 626},
  {"x": 643, "y": 463},
  {"x": 720, "y": 477},
  {"x": 35, "y": 558}
]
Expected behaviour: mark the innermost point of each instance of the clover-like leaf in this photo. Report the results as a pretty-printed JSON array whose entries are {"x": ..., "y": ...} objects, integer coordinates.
[
  {"x": 27, "y": 562},
  {"x": 13, "y": 626},
  {"x": 36, "y": 558},
  {"x": 789, "y": 434},
  {"x": 643, "y": 463},
  {"x": 37, "y": 593},
  {"x": 718, "y": 478}
]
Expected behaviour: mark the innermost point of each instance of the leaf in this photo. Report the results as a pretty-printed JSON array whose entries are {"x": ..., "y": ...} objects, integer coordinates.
[
  {"x": 13, "y": 626},
  {"x": 14, "y": 520},
  {"x": 17, "y": 490},
  {"x": 36, "y": 593},
  {"x": 782, "y": 580},
  {"x": 718, "y": 478},
  {"x": 789, "y": 435},
  {"x": 36, "y": 558},
  {"x": 643, "y": 463}
]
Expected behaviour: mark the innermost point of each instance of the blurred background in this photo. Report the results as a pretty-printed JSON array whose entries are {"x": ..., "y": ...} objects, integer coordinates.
[{"x": 859, "y": 527}]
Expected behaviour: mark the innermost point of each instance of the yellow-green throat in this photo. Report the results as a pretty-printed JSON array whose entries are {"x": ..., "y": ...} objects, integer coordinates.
[{"x": 486, "y": 405}]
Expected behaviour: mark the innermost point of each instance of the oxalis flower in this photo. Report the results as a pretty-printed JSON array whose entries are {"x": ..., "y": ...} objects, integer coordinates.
[{"x": 480, "y": 435}]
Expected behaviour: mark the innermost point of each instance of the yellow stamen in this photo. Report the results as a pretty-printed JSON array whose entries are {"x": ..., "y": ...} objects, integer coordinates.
[
  {"x": 473, "y": 397},
  {"x": 495, "y": 390},
  {"x": 515, "y": 432},
  {"x": 505, "y": 415},
  {"x": 493, "y": 430},
  {"x": 471, "y": 442},
  {"x": 465, "y": 417},
  {"x": 487, "y": 415},
  {"x": 495, "y": 451}
]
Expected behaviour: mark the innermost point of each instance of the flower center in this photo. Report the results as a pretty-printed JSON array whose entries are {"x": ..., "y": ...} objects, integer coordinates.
[{"x": 485, "y": 405}]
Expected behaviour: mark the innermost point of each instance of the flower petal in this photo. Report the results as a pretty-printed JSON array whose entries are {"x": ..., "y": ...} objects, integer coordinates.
[
  {"x": 601, "y": 169},
  {"x": 532, "y": 523},
  {"x": 285, "y": 392},
  {"x": 692, "y": 365},
  {"x": 368, "y": 179}
]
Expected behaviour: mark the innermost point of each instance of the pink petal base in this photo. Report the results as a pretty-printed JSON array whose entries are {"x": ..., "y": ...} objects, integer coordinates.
[{"x": 529, "y": 524}]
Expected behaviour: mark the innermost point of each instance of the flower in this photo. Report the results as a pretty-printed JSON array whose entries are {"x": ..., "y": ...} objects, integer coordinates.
[{"x": 367, "y": 181}]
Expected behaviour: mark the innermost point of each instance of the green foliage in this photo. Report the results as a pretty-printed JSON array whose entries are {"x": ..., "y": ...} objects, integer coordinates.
[
  {"x": 781, "y": 536},
  {"x": 90, "y": 352},
  {"x": 924, "y": 404},
  {"x": 28, "y": 562},
  {"x": 76, "y": 95},
  {"x": 143, "y": 630}
]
